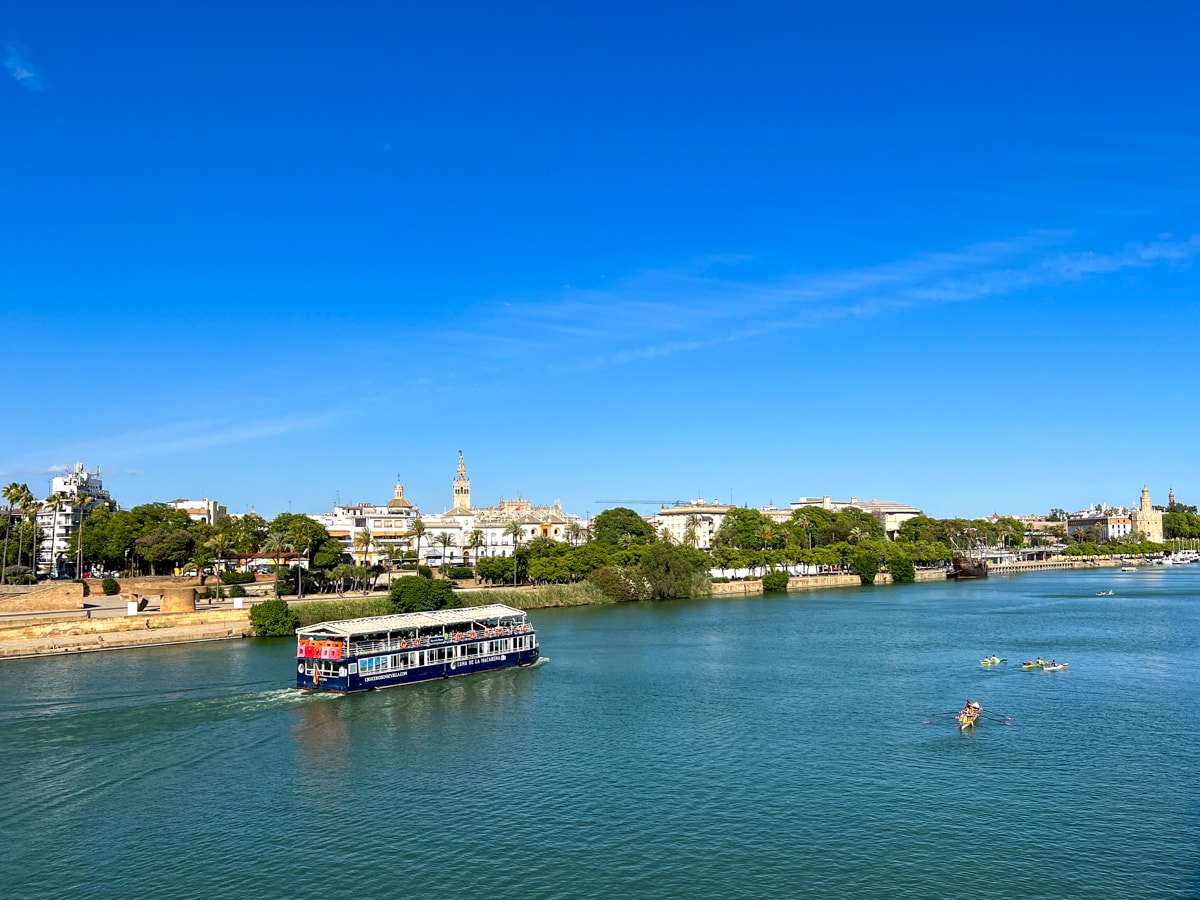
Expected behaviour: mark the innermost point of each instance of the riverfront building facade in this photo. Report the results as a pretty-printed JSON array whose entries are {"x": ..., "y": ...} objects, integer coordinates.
[{"x": 71, "y": 496}]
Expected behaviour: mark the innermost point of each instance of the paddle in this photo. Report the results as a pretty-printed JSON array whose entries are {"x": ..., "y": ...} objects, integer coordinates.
[
  {"x": 996, "y": 717},
  {"x": 940, "y": 715}
]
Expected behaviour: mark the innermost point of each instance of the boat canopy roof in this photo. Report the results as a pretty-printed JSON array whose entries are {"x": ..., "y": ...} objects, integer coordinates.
[{"x": 439, "y": 618}]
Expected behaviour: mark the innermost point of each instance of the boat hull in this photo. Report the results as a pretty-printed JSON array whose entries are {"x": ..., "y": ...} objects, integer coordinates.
[
  {"x": 351, "y": 680},
  {"x": 968, "y": 568}
]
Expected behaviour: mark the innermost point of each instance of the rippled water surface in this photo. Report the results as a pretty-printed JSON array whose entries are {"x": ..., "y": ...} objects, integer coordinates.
[{"x": 765, "y": 747}]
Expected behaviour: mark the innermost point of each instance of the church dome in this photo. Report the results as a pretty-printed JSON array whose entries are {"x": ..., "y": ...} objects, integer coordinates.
[{"x": 398, "y": 501}]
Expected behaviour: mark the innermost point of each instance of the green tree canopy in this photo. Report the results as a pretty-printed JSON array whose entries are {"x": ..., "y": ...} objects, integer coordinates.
[
  {"x": 415, "y": 594},
  {"x": 612, "y": 525},
  {"x": 746, "y": 529}
]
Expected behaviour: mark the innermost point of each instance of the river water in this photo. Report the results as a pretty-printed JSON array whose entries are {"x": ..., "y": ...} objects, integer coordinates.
[{"x": 761, "y": 747}]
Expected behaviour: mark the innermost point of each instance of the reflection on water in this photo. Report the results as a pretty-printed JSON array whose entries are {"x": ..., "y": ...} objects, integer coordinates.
[{"x": 719, "y": 748}]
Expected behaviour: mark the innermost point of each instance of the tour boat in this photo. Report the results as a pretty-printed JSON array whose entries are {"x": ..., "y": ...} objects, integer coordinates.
[{"x": 385, "y": 651}]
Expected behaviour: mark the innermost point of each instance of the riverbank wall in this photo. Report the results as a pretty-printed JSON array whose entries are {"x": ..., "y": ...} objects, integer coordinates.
[
  {"x": 815, "y": 582},
  {"x": 63, "y": 634}
]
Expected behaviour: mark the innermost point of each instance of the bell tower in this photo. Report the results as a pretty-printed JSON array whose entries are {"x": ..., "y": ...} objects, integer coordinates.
[{"x": 462, "y": 486}]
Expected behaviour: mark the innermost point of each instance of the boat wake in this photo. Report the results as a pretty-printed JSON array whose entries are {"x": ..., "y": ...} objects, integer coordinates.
[{"x": 541, "y": 661}]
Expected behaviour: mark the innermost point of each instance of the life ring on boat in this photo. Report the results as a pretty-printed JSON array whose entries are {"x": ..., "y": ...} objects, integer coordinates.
[
  {"x": 403, "y": 644},
  {"x": 416, "y": 642},
  {"x": 458, "y": 635},
  {"x": 471, "y": 635}
]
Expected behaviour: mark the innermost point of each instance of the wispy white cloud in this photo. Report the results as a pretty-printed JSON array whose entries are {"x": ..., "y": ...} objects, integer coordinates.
[
  {"x": 704, "y": 305},
  {"x": 19, "y": 66},
  {"x": 116, "y": 451}
]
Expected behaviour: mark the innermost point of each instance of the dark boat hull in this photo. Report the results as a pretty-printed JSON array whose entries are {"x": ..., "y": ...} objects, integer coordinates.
[{"x": 968, "y": 568}]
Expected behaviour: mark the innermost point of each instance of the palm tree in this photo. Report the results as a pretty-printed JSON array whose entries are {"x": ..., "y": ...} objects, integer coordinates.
[
  {"x": 514, "y": 530},
  {"x": 446, "y": 539},
  {"x": 29, "y": 507},
  {"x": 54, "y": 502},
  {"x": 303, "y": 542},
  {"x": 276, "y": 545},
  {"x": 575, "y": 532},
  {"x": 474, "y": 542},
  {"x": 80, "y": 501},
  {"x": 12, "y": 493},
  {"x": 690, "y": 524},
  {"x": 417, "y": 527},
  {"x": 855, "y": 535},
  {"x": 221, "y": 547},
  {"x": 363, "y": 542}
]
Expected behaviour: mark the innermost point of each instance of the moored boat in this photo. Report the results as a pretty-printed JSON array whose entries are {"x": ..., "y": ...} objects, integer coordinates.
[
  {"x": 385, "y": 651},
  {"x": 968, "y": 568}
]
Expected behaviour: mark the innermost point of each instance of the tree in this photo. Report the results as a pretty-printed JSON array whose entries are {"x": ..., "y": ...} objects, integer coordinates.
[
  {"x": 273, "y": 618},
  {"x": 12, "y": 494},
  {"x": 276, "y": 545},
  {"x": 674, "y": 571},
  {"x": 776, "y": 580},
  {"x": 221, "y": 546},
  {"x": 417, "y": 528},
  {"x": 476, "y": 541},
  {"x": 514, "y": 530},
  {"x": 446, "y": 540},
  {"x": 164, "y": 548},
  {"x": 363, "y": 542},
  {"x": 415, "y": 594},
  {"x": 201, "y": 559},
  {"x": 246, "y": 533},
  {"x": 575, "y": 532},
  {"x": 744, "y": 529},
  {"x": 865, "y": 564},
  {"x": 29, "y": 506},
  {"x": 621, "y": 522},
  {"x": 54, "y": 502}
]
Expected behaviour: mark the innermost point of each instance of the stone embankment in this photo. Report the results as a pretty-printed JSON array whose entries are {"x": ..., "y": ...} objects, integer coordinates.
[
  {"x": 49, "y": 635},
  {"x": 815, "y": 582},
  {"x": 1045, "y": 565}
]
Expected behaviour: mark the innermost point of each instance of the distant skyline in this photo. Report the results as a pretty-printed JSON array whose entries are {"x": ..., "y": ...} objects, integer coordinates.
[{"x": 275, "y": 255}]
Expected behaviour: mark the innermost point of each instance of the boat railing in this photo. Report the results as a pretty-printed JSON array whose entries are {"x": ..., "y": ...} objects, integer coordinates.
[{"x": 401, "y": 643}]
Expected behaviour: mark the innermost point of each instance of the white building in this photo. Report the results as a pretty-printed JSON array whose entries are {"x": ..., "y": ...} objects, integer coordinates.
[
  {"x": 205, "y": 510},
  {"x": 1111, "y": 522},
  {"x": 71, "y": 496},
  {"x": 693, "y": 524},
  {"x": 463, "y": 520},
  {"x": 391, "y": 531},
  {"x": 390, "y": 527},
  {"x": 890, "y": 514}
]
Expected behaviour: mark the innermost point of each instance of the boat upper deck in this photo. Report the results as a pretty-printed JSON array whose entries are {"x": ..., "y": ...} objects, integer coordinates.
[{"x": 417, "y": 622}]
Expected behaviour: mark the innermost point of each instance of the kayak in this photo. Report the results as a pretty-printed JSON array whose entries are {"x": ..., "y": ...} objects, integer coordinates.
[
  {"x": 993, "y": 661},
  {"x": 1031, "y": 665},
  {"x": 1054, "y": 668}
]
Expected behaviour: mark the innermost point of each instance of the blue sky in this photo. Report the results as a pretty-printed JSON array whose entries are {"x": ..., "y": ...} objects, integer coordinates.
[{"x": 276, "y": 254}]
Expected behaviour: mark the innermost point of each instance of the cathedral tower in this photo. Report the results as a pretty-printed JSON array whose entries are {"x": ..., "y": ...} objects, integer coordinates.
[{"x": 462, "y": 486}]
